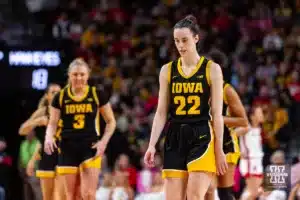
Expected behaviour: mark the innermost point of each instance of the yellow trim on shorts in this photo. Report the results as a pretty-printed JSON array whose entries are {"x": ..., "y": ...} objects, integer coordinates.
[
  {"x": 174, "y": 173},
  {"x": 97, "y": 120},
  {"x": 207, "y": 161},
  {"x": 45, "y": 174},
  {"x": 224, "y": 93},
  {"x": 91, "y": 163},
  {"x": 233, "y": 157},
  {"x": 169, "y": 71},
  {"x": 67, "y": 170},
  {"x": 207, "y": 72},
  {"x": 94, "y": 92}
]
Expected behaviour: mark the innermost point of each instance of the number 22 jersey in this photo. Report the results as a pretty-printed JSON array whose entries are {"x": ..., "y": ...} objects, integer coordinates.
[
  {"x": 190, "y": 95},
  {"x": 80, "y": 116}
]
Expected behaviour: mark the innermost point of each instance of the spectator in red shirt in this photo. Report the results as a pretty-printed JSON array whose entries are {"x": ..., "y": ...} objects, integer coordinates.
[
  {"x": 123, "y": 164},
  {"x": 222, "y": 20}
]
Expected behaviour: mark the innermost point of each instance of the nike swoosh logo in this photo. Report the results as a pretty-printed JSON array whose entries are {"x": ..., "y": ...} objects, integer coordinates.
[
  {"x": 174, "y": 77},
  {"x": 202, "y": 136},
  {"x": 67, "y": 101},
  {"x": 227, "y": 143},
  {"x": 201, "y": 76}
]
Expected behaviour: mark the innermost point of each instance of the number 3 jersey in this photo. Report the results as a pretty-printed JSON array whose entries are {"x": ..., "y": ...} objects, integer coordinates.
[
  {"x": 189, "y": 95},
  {"x": 80, "y": 116}
]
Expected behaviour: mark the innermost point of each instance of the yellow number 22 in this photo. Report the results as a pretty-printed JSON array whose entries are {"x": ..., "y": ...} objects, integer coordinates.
[
  {"x": 182, "y": 101},
  {"x": 79, "y": 121}
]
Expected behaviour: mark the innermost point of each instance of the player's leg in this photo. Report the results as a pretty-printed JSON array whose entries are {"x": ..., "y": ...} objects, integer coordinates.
[
  {"x": 174, "y": 165},
  {"x": 59, "y": 191},
  {"x": 254, "y": 178},
  {"x": 68, "y": 167},
  {"x": 225, "y": 184},
  {"x": 46, "y": 174},
  {"x": 69, "y": 182},
  {"x": 231, "y": 149},
  {"x": 77, "y": 188},
  {"x": 47, "y": 185},
  {"x": 226, "y": 181},
  {"x": 201, "y": 162},
  {"x": 211, "y": 193},
  {"x": 89, "y": 177},
  {"x": 175, "y": 188}
]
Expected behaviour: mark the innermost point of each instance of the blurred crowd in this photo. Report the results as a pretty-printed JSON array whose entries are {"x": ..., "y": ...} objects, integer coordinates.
[{"x": 126, "y": 43}]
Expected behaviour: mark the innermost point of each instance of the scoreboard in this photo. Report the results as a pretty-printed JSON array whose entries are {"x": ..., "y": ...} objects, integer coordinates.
[{"x": 31, "y": 69}]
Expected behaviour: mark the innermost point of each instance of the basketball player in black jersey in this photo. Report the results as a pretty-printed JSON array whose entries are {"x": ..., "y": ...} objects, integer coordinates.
[
  {"x": 191, "y": 93},
  {"x": 234, "y": 117},
  {"x": 46, "y": 168},
  {"x": 78, "y": 106}
]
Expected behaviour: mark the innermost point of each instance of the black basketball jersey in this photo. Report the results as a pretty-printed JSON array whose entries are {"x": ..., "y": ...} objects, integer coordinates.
[
  {"x": 190, "y": 95},
  {"x": 80, "y": 116}
]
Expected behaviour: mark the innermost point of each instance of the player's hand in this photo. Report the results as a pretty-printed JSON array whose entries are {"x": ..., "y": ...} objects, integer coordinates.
[
  {"x": 49, "y": 145},
  {"x": 100, "y": 146},
  {"x": 30, "y": 168},
  {"x": 149, "y": 156},
  {"x": 221, "y": 162}
]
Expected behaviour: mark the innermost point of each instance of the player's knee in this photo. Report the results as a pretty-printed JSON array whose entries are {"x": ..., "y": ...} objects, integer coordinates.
[
  {"x": 226, "y": 193},
  {"x": 89, "y": 194},
  {"x": 211, "y": 189},
  {"x": 194, "y": 193}
]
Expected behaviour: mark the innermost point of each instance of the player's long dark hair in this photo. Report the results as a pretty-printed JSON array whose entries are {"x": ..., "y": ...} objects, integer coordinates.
[{"x": 190, "y": 22}]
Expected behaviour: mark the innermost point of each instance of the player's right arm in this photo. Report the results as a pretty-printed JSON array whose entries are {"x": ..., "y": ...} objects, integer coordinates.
[
  {"x": 160, "y": 117},
  {"x": 238, "y": 116},
  {"x": 38, "y": 118},
  {"x": 52, "y": 125}
]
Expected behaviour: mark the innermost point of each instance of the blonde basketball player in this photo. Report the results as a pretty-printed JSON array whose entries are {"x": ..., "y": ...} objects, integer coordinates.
[{"x": 79, "y": 105}]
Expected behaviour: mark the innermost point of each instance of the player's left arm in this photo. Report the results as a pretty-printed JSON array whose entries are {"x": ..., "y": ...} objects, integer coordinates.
[
  {"x": 238, "y": 116},
  {"x": 216, "y": 82},
  {"x": 108, "y": 116}
]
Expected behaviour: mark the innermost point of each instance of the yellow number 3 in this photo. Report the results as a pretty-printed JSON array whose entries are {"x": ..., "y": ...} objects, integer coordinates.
[
  {"x": 182, "y": 101},
  {"x": 79, "y": 121}
]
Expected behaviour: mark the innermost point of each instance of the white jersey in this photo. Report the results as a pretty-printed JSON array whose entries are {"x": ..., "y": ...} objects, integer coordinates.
[{"x": 251, "y": 144}]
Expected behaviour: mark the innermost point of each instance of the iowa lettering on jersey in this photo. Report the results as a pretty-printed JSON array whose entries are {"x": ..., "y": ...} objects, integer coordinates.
[
  {"x": 192, "y": 100},
  {"x": 79, "y": 110},
  {"x": 178, "y": 88}
]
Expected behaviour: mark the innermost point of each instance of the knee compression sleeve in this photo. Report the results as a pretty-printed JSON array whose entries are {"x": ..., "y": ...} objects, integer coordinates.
[{"x": 226, "y": 193}]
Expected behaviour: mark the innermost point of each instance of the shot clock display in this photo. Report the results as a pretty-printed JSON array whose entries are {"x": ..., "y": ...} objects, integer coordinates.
[{"x": 31, "y": 69}]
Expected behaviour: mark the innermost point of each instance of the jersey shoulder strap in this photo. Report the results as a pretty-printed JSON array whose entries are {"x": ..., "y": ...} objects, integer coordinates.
[
  {"x": 61, "y": 97},
  {"x": 95, "y": 95}
]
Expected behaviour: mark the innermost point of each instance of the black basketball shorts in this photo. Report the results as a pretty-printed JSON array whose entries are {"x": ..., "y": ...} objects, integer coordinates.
[
  {"x": 76, "y": 154},
  {"x": 188, "y": 148}
]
